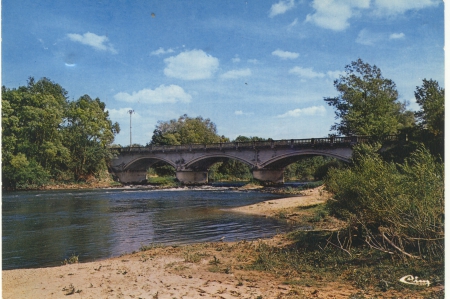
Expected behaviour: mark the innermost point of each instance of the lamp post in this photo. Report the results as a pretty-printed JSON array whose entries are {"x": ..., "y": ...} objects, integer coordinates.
[{"x": 130, "y": 112}]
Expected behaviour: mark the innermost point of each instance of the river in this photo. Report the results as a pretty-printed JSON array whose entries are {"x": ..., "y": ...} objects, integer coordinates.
[{"x": 42, "y": 228}]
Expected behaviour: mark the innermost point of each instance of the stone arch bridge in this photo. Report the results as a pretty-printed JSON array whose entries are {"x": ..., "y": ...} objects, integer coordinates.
[{"x": 267, "y": 159}]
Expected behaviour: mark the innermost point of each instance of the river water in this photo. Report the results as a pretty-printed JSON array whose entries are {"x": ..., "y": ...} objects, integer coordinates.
[{"x": 42, "y": 228}]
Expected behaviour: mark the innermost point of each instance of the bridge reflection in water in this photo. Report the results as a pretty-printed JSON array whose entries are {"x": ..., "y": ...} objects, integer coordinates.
[{"x": 267, "y": 159}]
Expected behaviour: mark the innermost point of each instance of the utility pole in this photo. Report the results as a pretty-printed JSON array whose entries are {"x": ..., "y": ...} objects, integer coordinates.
[{"x": 131, "y": 112}]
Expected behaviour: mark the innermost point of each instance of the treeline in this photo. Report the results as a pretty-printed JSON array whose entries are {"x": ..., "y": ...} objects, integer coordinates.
[{"x": 48, "y": 138}]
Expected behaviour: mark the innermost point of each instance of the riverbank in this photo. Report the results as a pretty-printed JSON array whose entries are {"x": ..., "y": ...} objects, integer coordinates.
[{"x": 219, "y": 270}]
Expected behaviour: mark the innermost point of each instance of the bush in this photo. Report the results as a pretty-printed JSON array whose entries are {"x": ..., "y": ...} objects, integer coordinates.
[
  {"x": 23, "y": 173},
  {"x": 396, "y": 207}
]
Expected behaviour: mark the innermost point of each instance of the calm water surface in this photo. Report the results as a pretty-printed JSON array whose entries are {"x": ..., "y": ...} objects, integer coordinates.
[{"x": 42, "y": 228}]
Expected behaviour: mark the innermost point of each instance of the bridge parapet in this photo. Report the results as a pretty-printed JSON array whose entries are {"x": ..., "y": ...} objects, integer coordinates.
[{"x": 327, "y": 141}]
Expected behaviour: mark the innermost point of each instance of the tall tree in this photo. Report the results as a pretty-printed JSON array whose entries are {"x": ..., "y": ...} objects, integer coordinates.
[
  {"x": 431, "y": 116},
  {"x": 367, "y": 103},
  {"x": 186, "y": 130},
  {"x": 87, "y": 133},
  {"x": 431, "y": 98},
  {"x": 32, "y": 147}
]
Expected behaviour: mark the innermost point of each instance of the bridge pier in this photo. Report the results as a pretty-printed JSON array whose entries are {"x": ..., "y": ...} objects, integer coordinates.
[
  {"x": 269, "y": 175},
  {"x": 189, "y": 177},
  {"x": 131, "y": 176}
]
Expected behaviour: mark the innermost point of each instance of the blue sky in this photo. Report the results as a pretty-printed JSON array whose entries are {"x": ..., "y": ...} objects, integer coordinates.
[{"x": 255, "y": 68}]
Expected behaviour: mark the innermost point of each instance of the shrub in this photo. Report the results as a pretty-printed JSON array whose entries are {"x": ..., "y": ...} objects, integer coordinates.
[
  {"x": 396, "y": 207},
  {"x": 73, "y": 259}
]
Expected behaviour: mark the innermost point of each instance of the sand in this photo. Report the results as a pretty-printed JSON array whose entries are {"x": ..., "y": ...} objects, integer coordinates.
[{"x": 271, "y": 208}]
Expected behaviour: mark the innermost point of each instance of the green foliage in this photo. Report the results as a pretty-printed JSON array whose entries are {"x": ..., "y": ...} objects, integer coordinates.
[
  {"x": 87, "y": 132},
  {"x": 431, "y": 99},
  {"x": 241, "y": 138},
  {"x": 73, "y": 259},
  {"x": 186, "y": 130},
  {"x": 310, "y": 168},
  {"x": 367, "y": 103},
  {"x": 230, "y": 170},
  {"x": 46, "y": 137},
  {"x": 397, "y": 207},
  {"x": 24, "y": 174}
]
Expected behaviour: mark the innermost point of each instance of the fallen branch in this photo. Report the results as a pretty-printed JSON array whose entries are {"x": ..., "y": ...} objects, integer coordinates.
[{"x": 398, "y": 248}]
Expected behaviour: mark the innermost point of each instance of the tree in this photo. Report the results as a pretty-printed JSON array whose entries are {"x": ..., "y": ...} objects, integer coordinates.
[
  {"x": 431, "y": 99},
  {"x": 186, "y": 130},
  {"x": 32, "y": 147},
  {"x": 45, "y": 137},
  {"x": 241, "y": 138},
  {"x": 367, "y": 103},
  {"x": 88, "y": 132}
]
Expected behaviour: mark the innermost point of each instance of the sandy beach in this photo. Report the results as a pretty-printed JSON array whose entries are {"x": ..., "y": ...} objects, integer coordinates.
[{"x": 207, "y": 270}]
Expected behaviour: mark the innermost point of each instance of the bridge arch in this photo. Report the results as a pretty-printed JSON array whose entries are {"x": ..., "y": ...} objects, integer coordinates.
[
  {"x": 284, "y": 160},
  {"x": 143, "y": 163},
  {"x": 214, "y": 158}
]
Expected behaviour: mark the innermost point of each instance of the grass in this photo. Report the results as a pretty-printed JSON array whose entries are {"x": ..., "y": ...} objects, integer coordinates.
[
  {"x": 319, "y": 212},
  {"x": 73, "y": 259},
  {"x": 149, "y": 246},
  {"x": 194, "y": 256},
  {"x": 314, "y": 259}
]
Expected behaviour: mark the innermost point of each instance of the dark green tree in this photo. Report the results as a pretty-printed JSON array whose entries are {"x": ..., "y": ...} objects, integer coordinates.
[
  {"x": 431, "y": 99},
  {"x": 45, "y": 137},
  {"x": 241, "y": 138},
  {"x": 367, "y": 103},
  {"x": 431, "y": 117},
  {"x": 186, "y": 130},
  {"x": 88, "y": 132},
  {"x": 32, "y": 147}
]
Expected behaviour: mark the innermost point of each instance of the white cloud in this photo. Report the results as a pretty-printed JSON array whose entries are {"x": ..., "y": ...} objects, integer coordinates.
[
  {"x": 236, "y": 59},
  {"x": 234, "y": 74},
  {"x": 397, "y": 35},
  {"x": 368, "y": 38},
  {"x": 293, "y": 23},
  {"x": 91, "y": 39},
  {"x": 240, "y": 112},
  {"x": 161, "y": 51},
  {"x": 390, "y": 7},
  {"x": 335, "y": 74},
  {"x": 309, "y": 111},
  {"x": 191, "y": 65},
  {"x": 281, "y": 7},
  {"x": 123, "y": 114},
  {"x": 254, "y": 61},
  {"x": 161, "y": 94},
  {"x": 334, "y": 14},
  {"x": 307, "y": 73},
  {"x": 285, "y": 54}
]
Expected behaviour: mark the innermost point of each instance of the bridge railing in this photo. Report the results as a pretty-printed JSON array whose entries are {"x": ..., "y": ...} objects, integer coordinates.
[{"x": 337, "y": 141}]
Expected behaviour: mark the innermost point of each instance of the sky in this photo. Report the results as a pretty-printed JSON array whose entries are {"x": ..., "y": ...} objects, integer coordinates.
[{"x": 255, "y": 68}]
